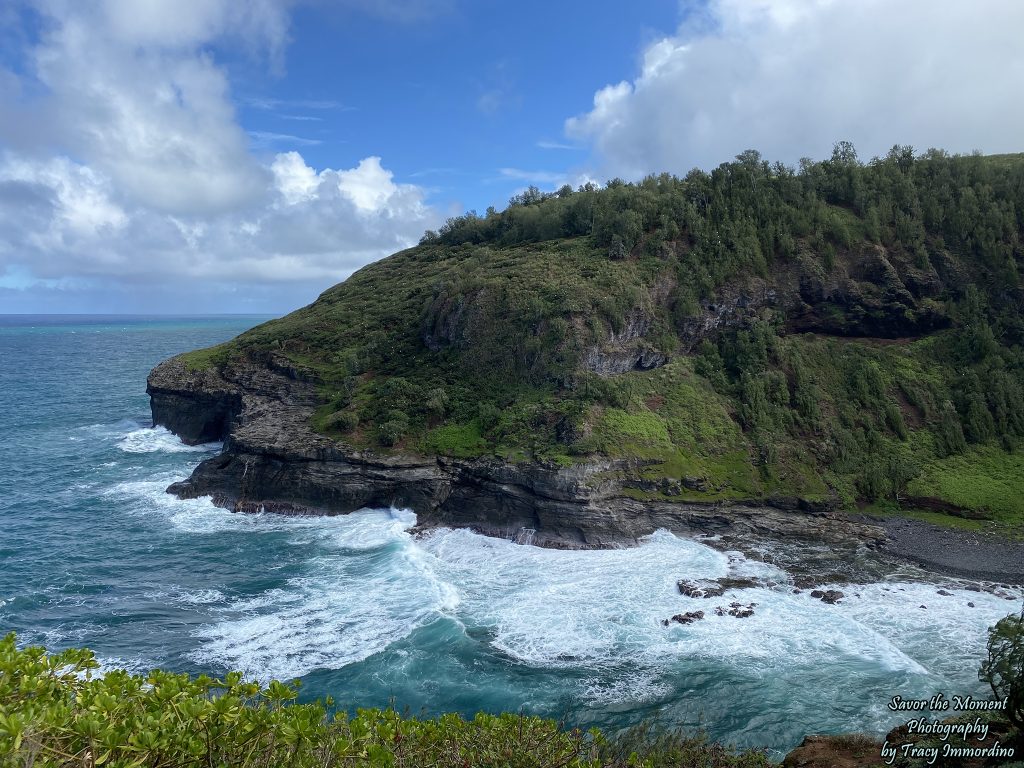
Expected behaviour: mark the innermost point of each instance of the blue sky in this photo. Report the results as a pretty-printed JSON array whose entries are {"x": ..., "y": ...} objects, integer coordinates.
[
  {"x": 469, "y": 101},
  {"x": 183, "y": 156}
]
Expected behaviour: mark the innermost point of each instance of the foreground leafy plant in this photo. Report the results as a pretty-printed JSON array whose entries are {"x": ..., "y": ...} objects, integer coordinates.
[
  {"x": 1003, "y": 667},
  {"x": 56, "y": 711}
]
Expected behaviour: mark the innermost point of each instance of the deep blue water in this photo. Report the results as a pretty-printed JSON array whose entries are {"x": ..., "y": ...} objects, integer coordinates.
[{"x": 93, "y": 552}]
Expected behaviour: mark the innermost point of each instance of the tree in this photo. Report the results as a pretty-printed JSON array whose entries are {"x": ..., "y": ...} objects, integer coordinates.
[
  {"x": 1003, "y": 667},
  {"x": 950, "y": 434}
]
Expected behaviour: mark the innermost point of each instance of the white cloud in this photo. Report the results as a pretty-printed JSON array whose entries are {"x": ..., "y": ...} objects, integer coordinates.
[
  {"x": 548, "y": 144},
  {"x": 791, "y": 77},
  {"x": 272, "y": 104},
  {"x": 63, "y": 220},
  {"x": 154, "y": 117},
  {"x": 538, "y": 177},
  {"x": 295, "y": 180},
  {"x": 368, "y": 185},
  {"x": 128, "y": 168},
  {"x": 80, "y": 202},
  {"x": 266, "y": 138}
]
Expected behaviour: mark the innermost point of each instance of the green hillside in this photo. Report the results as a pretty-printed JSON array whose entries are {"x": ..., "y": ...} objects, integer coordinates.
[{"x": 845, "y": 332}]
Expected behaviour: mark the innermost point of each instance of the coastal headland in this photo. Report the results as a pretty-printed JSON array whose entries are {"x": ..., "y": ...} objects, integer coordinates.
[{"x": 830, "y": 355}]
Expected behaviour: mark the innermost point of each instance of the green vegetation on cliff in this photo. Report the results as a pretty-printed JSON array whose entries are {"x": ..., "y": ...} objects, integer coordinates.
[
  {"x": 846, "y": 332},
  {"x": 55, "y": 713}
]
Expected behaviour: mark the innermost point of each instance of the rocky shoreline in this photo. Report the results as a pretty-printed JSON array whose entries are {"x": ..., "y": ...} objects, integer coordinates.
[
  {"x": 273, "y": 461},
  {"x": 979, "y": 556}
]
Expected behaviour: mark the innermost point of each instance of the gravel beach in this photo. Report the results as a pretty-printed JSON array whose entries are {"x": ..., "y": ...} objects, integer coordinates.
[{"x": 981, "y": 556}]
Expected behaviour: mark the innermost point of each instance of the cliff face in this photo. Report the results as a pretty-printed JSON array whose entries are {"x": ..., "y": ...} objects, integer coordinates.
[
  {"x": 273, "y": 461},
  {"x": 197, "y": 406}
]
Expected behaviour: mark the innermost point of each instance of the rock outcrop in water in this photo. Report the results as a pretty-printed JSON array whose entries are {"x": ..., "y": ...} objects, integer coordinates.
[{"x": 273, "y": 461}]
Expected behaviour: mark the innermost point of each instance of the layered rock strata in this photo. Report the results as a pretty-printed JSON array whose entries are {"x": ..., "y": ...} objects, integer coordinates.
[{"x": 272, "y": 460}]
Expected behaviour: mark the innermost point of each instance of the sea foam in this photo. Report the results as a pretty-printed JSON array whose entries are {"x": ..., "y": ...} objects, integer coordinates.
[
  {"x": 154, "y": 439},
  {"x": 357, "y": 594},
  {"x": 362, "y": 582}
]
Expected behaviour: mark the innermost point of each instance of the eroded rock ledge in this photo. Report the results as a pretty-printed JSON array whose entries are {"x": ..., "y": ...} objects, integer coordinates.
[{"x": 272, "y": 460}]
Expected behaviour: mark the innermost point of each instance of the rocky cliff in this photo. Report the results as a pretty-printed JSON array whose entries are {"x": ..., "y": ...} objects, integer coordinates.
[{"x": 272, "y": 460}]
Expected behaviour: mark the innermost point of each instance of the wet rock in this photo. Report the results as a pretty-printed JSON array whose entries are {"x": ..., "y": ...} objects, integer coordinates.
[
  {"x": 704, "y": 589},
  {"x": 741, "y": 582},
  {"x": 806, "y": 580},
  {"x": 736, "y": 610},
  {"x": 923, "y": 606},
  {"x": 945, "y": 593},
  {"x": 742, "y": 613},
  {"x": 717, "y": 587},
  {"x": 687, "y": 618},
  {"x": 829, "y": 596},
  {"x": 970, "y": 605}
]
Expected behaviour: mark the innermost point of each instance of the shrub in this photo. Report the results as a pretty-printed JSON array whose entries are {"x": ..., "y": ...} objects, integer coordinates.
[
  {"x": 1003, "y": 667},
  {"x": 951, "y": 438},
  {"x": 342, "y": 421},
  {"x": 488, "y": 415},
  {"x": 54, "y": 711},
  {"x": 394, "y": 427}
]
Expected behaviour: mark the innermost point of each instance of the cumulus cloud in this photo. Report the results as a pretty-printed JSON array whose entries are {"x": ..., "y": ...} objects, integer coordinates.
[
  {"x": 790, "y": 77},
  {"x": 127, "y": 166},
  {"x": 134, "y": 95},
  {"x": 63, "y": 218}
]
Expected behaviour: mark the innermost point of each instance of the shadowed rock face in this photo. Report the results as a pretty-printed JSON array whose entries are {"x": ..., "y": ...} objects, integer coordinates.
[
  {"x": 273, "y": 460},
  {"x": 196, "y": 406}
]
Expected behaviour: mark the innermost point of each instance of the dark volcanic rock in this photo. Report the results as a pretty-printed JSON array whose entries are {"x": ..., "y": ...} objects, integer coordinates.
[
  {"x": 717, "y": 587},
  {"x": 830, "y": 596},
  {"x": 689, "y": 617},
  {"x": 196, "y": 406},
  {"x": 273, "y": 461},
  {"x": 700, "y": 589},
  {"x": 736, "y": 610},
  {"x": 967, "y": 553}
]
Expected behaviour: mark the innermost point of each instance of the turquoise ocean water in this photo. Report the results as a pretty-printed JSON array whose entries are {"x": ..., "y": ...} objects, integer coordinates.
[{"x": 94, "y": 553}]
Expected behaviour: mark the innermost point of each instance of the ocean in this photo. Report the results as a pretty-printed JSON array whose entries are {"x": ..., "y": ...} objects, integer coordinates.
[{"x": 94, "y": 553}]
